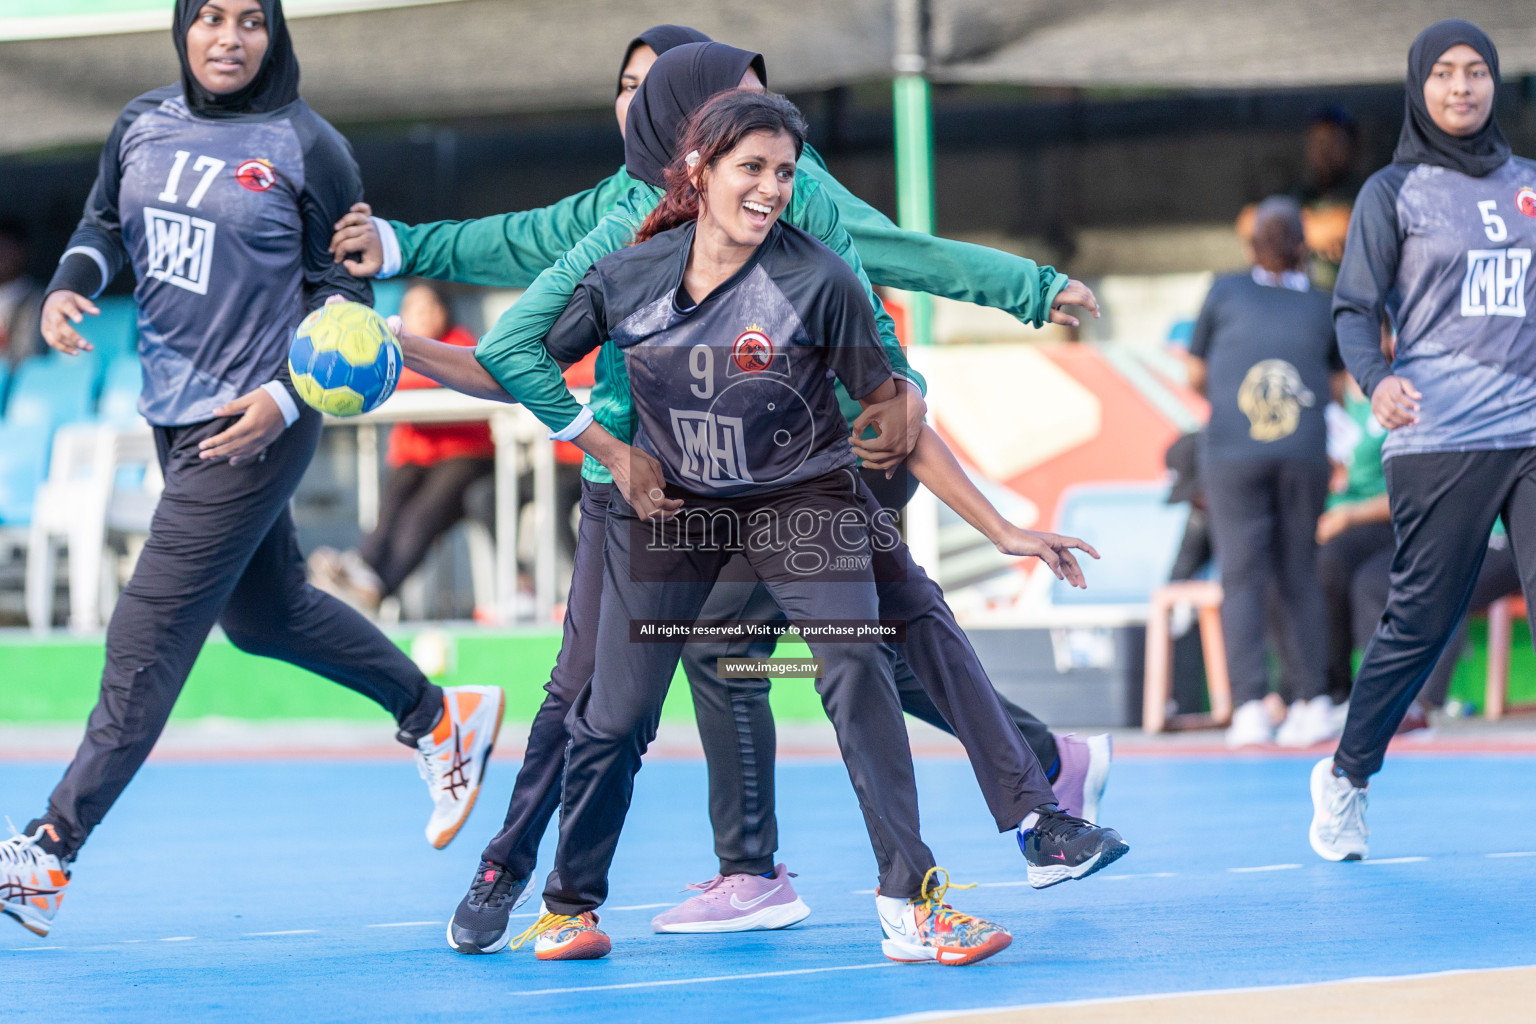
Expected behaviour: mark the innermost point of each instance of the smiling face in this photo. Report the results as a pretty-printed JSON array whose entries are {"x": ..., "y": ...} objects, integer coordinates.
[
  {"x": 746, "y": 190},
  {"x": 1459, "y": 91},
  {"x": 225, "y": 45}
]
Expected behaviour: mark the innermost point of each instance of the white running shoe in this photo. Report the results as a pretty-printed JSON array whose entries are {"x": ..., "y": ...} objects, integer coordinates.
[
  {"x": 1310, "y": 722},
  {"x": 1250, "y": 726},
  {"x": 1338, "y": 829},
  {"x": 32, "y": 881},
  {"x": 452, "y": 757}
]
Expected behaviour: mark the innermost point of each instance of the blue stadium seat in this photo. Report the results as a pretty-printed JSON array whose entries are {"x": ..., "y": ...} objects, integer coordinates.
[
  {"x": 120, "y": 391},
  {"x": 1181, "y": 333},
  {"x": 115, "y": 332},
  {"x": 24, "y": 451},
  {"x": 1135, "y": 531},
  {"x": 52, "y": 390}
]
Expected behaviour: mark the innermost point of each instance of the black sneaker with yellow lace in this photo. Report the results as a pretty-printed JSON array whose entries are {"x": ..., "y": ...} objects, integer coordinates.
[
  {"x": 1059, "y": 847},
  {"x": 479, "y": 922}
]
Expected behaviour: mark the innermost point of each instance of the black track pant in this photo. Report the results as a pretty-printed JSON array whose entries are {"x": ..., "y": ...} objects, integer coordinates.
[
  {"x": 1264, "y": 523},
  {"x": 737, "y": 730},
  {"x": 615, "y": 718},
  {"x": 222, "y": 548},
  {"x": 536, "y": 794},
  {"x": 1443, "y": 506},
  {"x": 419, "y": 505}
]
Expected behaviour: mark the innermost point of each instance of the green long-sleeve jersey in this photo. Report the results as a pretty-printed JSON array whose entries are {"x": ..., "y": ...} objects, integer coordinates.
[{"x": 512, "y": 249}]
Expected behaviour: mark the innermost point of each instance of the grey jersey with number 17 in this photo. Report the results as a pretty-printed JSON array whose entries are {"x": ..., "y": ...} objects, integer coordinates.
[
  {"x": 226, "y": 223},
  {"x": 1447, "y": 257}
]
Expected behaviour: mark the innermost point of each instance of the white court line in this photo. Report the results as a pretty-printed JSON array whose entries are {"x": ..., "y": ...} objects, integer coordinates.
[
  {"x": 290, "y": 931},
  {"x": 644, "y": 906},
  {"x": 999, "y": 885},
  {"x": 405, "y": 924},
  {"x": 913, "y": 1018},
  {"x": 29, "y": 949},
  {"x": 701, "y": 981},
  {"x": 1394, "y": 860},
  {"x": 1263, "y": 867},
  {"x": 179, "y": 938},
  {"x": 1144, "y": 874},
  {"x": 1517, "y": 853}
]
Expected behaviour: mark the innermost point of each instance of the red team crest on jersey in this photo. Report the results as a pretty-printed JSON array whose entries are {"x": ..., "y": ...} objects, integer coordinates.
[
  {"x": 1525, "y": 201},
  {"x": 255, "y": 175},
  {"x": 752, "y": 351}
]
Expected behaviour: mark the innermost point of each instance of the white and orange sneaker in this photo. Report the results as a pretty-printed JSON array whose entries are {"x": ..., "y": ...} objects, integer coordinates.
[
  {"x": 452, "y": 757},
  {"x": 32, "y": 881},
  {"x": 563, "y": 937},
  {"x": 927, "y": 928}
]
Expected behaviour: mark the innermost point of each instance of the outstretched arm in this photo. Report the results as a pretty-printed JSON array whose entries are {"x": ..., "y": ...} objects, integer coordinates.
[{"x": 935, "y": 467}]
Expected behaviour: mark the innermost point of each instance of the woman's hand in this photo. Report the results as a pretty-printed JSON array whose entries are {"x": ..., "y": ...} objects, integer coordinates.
[
  {"x": 355, "y": 233},
  {"x": 260, "y": 422},
  {"x": 1395, "y": 403},
  {"x": 61, "y": 311},
  {"x": 638, "y": 476},
  {"x": 1074, "y": 294},
  {"x": 1051, "y": 548},
  {"x": 898, "y": 424},
  {"x": 1332, "y": 523}
]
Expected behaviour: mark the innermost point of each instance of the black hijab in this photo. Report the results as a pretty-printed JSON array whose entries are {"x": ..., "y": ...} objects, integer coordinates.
[
  {"x": 660, "y": 38},
  {"x": 677, "y": 85},
  {"x": 276, "y": 83},
  {"x": 1424, "y": 142}
]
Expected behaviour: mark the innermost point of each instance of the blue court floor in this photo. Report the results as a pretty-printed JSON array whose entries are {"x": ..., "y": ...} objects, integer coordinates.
[{"x": 304, "y": 890}]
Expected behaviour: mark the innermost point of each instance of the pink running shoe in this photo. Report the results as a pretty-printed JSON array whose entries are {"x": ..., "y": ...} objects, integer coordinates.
[
  {"x": 736, "y": 903},
  {"x": 1084, "y": 773}
]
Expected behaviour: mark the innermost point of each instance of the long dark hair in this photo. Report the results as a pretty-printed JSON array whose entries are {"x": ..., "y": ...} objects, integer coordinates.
[{"x": 710, "y": 133}]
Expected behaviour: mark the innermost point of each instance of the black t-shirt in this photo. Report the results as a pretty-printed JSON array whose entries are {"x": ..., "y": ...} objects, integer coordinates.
[
  {"x": 735, "y": 393},
  {"x": 1269, "y": 351}
]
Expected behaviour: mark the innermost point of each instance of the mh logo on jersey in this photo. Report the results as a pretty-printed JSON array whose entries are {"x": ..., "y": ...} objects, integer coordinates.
[
  {"x": 713, "y": 447},
  {"x": 1495, "y": 282},
  {"x": 180, "y": 248}
]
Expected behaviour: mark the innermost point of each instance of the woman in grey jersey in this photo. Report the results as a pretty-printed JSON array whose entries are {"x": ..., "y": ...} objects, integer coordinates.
[
  {"x": 1440, "y": 244},
  {"x": 221, "y": 192},
  {"x": 748, "y": 448}
]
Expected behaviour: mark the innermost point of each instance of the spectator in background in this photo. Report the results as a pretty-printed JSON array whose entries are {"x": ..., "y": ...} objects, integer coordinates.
[
  {"x": 1263, "y": 352},
  {"x": 431, "y": 467},
  {"x": 21, "y": 299}
]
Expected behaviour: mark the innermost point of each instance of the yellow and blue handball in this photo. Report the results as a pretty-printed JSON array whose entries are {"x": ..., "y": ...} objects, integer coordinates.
[{"x": 344, "y": 360}]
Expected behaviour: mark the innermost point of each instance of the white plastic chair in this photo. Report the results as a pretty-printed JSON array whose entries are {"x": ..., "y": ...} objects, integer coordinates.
[{"x": 100, "y": 478}]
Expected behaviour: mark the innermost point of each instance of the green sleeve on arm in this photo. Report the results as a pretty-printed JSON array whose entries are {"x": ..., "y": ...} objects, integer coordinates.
[
  {"x": 916, "y": 262},
  {"x": 513, "y": 351},
  {"x": 813, "y": 211},
  {"x": 508, "y": 250}
]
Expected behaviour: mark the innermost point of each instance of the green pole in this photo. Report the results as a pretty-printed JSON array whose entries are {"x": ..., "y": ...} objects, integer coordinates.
[{"x": 914, "y": 169}]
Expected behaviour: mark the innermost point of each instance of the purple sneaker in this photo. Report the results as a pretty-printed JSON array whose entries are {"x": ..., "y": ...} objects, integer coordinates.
[
  {"x": 1084, "y": 773},
  {"x": 736, "y": 903}
]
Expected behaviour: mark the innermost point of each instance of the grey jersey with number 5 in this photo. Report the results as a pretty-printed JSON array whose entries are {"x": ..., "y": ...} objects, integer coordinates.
[
  {"x": 1448, "y": 258},
  {"x": 226, "y": 223}
]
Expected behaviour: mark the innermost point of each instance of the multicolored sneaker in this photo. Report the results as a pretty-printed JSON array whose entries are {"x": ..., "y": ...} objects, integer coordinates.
[
  {"x": 927, "y": 928},
  {"x": 1338, "y": 830},
  {"x": 1083, "y": 774},
  {"x": 1059, "y": 847},
  {"x": 737, "y": 903},
  {"x": 562, "y": 937},
  {"x": 479, "y": 922},
  {"x": 32, "y": 881},
  {"x": 452, "y": 757}
]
